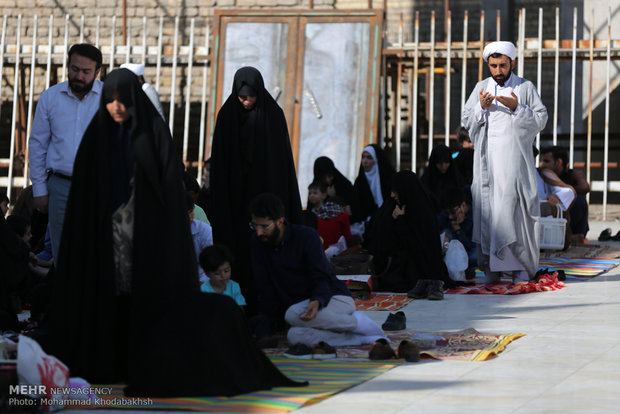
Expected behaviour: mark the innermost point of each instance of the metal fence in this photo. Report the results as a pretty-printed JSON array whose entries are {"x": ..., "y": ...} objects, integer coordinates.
[
  {"x": 27, "y": 56},
  {"x": 433, "y": 59},
  {"x": 31, "y": 54}
]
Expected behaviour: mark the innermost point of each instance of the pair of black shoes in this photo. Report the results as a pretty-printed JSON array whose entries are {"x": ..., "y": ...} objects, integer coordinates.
[
  {"x": 606, "y": 235},
  {"x": 560, "y": 274},
  {"x": 427, "y": 289},
  {"x": 381, "y": 350}
]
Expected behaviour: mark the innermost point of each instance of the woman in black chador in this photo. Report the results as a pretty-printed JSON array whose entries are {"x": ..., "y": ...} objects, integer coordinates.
[
  {"x": 251, "y": 155},
  {"x": 372, "y": 185},
  {"x": 441, "y": 174},
  {"x": 127, "y": 305},
  {"x": 405, "y": 242}
]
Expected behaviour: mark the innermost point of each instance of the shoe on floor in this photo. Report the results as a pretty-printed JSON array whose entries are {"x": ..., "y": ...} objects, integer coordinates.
[
  {"x": 420, "y": 290},
  {"x": 561, "y": 275},
  {"x": 299, "y": 351},
  {"x": 605, "y": 235},
  {"x": 616, "y": 237},
  {"x": 409, "y": 351},
  {"x": 435, "y": 290},
  {"x": 323, "y": 350},
  {"x": 381, "y": 349},
  {"x": 395, "y": 322}
]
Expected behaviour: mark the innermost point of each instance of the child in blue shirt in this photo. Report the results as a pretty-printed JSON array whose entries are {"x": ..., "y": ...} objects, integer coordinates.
[{"x": 216, "y": 261}]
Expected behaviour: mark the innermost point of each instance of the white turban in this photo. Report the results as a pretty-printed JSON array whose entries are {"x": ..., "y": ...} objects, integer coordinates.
[
  {"x": 136, "y": 68},
  {"x": 505, "y": 48}
]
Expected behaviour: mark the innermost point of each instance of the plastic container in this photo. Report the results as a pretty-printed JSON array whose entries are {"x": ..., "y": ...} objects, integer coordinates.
[{"x": 552, "y": 231}]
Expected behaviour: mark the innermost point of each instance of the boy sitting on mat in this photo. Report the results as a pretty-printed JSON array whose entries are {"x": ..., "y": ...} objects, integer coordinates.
[{"x": 217, "y": 261}]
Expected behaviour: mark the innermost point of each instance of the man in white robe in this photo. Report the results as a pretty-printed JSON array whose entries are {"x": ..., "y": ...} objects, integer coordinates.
[
  {"x": 503, "y": 115},
  {"x": 138, "y": 69}
]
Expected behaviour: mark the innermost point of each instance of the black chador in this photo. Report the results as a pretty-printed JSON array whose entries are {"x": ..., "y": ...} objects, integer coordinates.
[
  {"x": 251, "y": 155},
  {"x": 127, "y": 305}
]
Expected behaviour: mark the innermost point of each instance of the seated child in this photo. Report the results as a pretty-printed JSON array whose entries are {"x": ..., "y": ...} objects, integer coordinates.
[
  {"x": 216, "y": 261},
  {"x": 333, "y": 221},
  {"x": 201, "y": 234},
  {"x": 456, "y": 219}
]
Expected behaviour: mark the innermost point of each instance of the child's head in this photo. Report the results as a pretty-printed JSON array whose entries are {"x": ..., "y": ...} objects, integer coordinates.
[
  {"x": 216, "y": 261},
  {"x": 454, "y": 204},
  {"x": 20, "y": 226},
  {"x": 462, "y": 136},
  {"x": 317, "y": 193}
]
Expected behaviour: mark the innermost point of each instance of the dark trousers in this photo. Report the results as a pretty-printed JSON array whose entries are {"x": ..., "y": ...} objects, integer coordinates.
[{"x": 579, "y": 215}]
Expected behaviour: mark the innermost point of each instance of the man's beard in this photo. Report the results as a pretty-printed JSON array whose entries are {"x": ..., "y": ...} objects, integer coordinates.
[
  {"x": 271, "y": 240},
  {"x": 80, "y": 87},
  {"x": 500, "y": 79}
]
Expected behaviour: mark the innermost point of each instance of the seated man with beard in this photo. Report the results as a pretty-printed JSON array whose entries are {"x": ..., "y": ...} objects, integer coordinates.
[{"x": 296, "y": 283}]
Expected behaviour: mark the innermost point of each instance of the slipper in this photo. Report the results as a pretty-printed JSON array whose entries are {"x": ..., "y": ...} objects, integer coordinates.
[
  {"x": 605, "y": 235},
  {"x": 616, "y": 237},
  {"x": 409, "y": 351},
  {"x": 381, "y": 349}
]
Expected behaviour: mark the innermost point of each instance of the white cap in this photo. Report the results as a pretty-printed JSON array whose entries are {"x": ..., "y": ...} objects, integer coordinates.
[
  {"x": 505, "y": 48},
  {"x": 136, "y": 68}
]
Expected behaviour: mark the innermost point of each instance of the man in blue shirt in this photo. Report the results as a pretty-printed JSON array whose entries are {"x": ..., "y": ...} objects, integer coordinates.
[
  {"x": 63, "y": 113},
  {"x": 296, "y": 283}
]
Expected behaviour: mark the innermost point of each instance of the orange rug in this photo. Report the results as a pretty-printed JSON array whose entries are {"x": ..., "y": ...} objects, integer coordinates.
[{"x": 383, "y": 301}]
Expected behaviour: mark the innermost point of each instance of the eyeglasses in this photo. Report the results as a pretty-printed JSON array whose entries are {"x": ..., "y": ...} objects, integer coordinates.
[{"x": 263, "y": 227}]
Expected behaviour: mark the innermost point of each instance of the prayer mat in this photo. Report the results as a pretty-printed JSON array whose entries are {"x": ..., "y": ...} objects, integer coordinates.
[
  {"x": 325, "y": 378},
  {"x": 577, "y": 268},
  {"x": 465, "y": 345},
  {"x": 383, "y": 302},
  {"x": 544, "y": 283},
  {"x": 584, "y": 250}
]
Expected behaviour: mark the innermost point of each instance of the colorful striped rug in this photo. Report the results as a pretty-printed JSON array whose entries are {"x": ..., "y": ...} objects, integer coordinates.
[
  {"x": 383, "y": 301},
  {"x": 578, "y": 268},
  {"x": 326, "y": 378}
]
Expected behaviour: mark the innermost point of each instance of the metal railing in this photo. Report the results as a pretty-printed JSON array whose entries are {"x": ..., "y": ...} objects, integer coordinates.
[
  {"x": 24, "y": 56},
  {"x": 32, "y": 55},
  {"x": 427, "y": 58}
]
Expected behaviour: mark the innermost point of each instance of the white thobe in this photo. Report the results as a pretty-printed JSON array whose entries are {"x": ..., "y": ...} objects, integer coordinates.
[
  {"x": 501, "y": 154},
  {"x": 505, "y": 197}
]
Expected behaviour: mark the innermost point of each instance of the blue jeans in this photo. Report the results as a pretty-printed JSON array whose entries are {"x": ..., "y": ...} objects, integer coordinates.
[{"x": 58, "y": 189}]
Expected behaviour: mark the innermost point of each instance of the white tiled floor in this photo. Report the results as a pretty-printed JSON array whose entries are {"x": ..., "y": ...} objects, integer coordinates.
[{"x": 568, "y": 362}]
